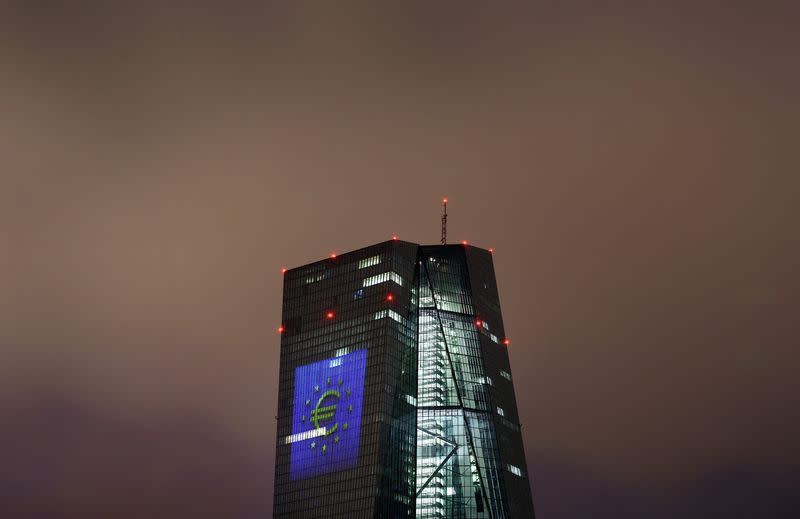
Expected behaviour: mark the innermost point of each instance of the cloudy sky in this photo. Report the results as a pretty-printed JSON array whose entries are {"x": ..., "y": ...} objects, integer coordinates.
[{"x": 635, "y": 168}]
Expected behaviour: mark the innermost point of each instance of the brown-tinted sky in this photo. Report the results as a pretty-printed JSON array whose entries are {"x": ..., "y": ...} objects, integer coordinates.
[{"x": 635, "y": 167}]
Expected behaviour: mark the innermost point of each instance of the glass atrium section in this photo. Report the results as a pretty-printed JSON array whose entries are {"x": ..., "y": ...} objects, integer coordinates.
[{"x": 457, "y": 457}]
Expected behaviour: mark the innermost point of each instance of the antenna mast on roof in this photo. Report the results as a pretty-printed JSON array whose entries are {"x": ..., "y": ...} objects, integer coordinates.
[{"x": 444, "y": 221}]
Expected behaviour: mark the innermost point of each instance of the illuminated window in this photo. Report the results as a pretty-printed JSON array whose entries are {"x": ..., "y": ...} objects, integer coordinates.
[
  {"x": 368, "y": 262},
  {"x": 383, "y": 278},
  {"x": 514, "y": 469},
  {"x": 494, "y": 338},
  {"x": 358, "y": 293},
  {"x": 292, "y": 438},
  {"x": 505, "y": 374},
  {"x": 500, "y": 411},
  {"x": 389, "y": 313},
  {"x": 315, "y": 278}
]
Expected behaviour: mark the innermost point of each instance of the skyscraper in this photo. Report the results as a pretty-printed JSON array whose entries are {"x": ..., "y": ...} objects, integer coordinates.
[{"x": 395, "y": 394}]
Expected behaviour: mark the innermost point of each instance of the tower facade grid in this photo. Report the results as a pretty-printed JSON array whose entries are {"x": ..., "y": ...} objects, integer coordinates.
[{"x": 395, "y": 390}]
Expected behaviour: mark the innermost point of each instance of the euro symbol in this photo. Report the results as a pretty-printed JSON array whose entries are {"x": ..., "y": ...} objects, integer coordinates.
[{"x": 324, "y": 413}]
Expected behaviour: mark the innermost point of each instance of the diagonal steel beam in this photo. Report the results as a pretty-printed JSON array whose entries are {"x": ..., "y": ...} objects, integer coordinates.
[{"x": 446, "y": 458}]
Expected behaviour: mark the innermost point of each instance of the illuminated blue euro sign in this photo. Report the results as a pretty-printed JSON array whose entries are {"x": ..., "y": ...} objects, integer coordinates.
[{"x": 326, "y": 421}]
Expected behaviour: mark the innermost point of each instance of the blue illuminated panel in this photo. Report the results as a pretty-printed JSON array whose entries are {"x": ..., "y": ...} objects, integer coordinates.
[{"x": 326, "y": 423}]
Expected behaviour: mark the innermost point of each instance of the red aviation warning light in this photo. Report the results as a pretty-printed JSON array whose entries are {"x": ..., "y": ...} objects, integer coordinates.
[
  {"x": 284, "y": 270},
  {"x": 390, "y": 297},
  {"x": 463, "y": 242},
  {"x": 491, "y": 251},
  {"x": 333, "y": 255},
  {"x": 478, "y": 323},
  {"x": 506, "y": 341},
  {"x": 329, "y": 314},
  {"x": 394, "y": 236},
  {"x": 281, "y": 329}
]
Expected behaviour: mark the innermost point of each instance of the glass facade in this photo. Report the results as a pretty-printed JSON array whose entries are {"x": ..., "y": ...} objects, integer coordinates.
[
  {"x": 458, "y": 471},
  {"x": 395, "y": 395}
]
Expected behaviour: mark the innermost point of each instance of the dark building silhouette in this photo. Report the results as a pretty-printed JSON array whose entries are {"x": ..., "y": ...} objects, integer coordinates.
[{"x": 395, "y": 395}]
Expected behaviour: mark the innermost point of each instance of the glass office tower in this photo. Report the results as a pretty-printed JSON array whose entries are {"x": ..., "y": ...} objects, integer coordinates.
[{"x": 395, "y": 391}]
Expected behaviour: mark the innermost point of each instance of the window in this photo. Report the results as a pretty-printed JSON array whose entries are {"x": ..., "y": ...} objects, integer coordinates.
[
  {"x": 505, "y": 374},
  {"x": 514, "y": 469},
  {"x": 316, "y": 277},
  {"x": 368, "y": 262},
  {"x": 383, "y": 278},
  {"x": 389, "y": 313},
  {"x": 298, "y": 437},
  {"x": 358, "y": 294},
  {"x": 500, "y": 411}
]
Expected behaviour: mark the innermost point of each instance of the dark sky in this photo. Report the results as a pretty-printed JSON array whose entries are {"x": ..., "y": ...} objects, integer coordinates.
[{"x": 635, "y": 168}]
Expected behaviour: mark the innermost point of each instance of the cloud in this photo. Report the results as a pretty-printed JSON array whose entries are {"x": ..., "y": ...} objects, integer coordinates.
[{"x": 63, "y": 459}]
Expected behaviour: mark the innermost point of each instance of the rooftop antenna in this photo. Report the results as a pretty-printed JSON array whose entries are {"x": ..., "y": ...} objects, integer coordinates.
[{"x": 444, "y": 221}]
